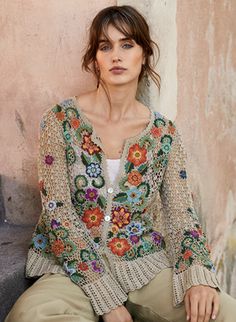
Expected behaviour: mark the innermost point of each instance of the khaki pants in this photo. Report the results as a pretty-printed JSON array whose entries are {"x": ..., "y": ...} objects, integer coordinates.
[{"x": 54, "y": 298}]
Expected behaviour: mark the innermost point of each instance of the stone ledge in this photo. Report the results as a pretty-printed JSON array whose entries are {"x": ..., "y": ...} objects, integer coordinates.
[{"x": 14, "y": 242}]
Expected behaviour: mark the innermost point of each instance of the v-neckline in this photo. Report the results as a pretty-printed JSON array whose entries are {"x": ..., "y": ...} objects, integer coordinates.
[{"x": 96, "y": 139}]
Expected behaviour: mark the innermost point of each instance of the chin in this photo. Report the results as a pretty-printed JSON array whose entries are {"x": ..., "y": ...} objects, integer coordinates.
[{"x": 121, "y": 82}]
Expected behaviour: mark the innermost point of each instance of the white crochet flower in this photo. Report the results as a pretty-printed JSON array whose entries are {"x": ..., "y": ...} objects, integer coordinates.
[{"x": 51, "y": 205}]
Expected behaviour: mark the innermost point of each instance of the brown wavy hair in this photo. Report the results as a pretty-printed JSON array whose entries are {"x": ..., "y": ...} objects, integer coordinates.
[{"x": 132, "y": 24}]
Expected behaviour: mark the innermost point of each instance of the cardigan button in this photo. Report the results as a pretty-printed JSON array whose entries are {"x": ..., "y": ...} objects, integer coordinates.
[
  {"x": 107, "y": 218},
  {"x": 110, "y": 190}
]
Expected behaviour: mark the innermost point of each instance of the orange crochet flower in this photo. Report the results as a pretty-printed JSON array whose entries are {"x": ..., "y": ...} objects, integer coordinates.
[
  {"x": 156, "y": 131},
  {"x": 135, "y": 178},
  {"x": 120, "y": 216},
  {"x": 57, "y": 247},
  {"x": 200, "y": 231},
  {"x": 83, "y": 266},
  {"x": 119, "y": 246},
  {"x": 93, "y": 217},
  {"x": 208, "y": 247},
  {"x": 137, "y": 155},
  {"x": 89, "y": 145},
  {"x": 66, "y": 224},
  {"x": 114, "y": 229},
  {"x": 188, "y": 253},
  {"x": 41, "y": 185},
  {"x": 171, "y": 129},
  {"x": 75, "y": 123},
  {"x": 60, "y": 116}
]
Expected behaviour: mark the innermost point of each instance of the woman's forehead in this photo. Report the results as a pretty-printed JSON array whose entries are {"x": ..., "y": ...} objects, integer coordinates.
[{"x": 123, "y": 31}]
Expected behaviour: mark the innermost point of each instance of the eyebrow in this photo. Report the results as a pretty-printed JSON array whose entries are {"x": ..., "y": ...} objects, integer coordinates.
[{"x": 121, "y": 39}]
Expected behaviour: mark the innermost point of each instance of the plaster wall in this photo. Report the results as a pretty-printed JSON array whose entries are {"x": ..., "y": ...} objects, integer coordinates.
[
  {"x": 40, "y": 53},
  {"x": 206, "y": 115}
]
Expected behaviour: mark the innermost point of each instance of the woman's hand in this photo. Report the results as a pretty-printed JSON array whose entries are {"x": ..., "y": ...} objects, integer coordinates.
[
  {"x": 120, "y": 314},
  {"x": 201, "y": 303}
]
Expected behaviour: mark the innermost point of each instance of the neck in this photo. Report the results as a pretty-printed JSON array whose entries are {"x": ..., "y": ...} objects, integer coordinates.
[{"x": 122, "y": 103}]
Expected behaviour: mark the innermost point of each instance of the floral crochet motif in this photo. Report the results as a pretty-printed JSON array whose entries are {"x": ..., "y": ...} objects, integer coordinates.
[{"x": 83, "y": 218}]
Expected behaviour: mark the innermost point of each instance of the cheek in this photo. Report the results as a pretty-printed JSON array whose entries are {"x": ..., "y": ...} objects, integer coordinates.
[
  {"x": 137, "y": 59},
  {"x": 102, "y": 63},
  {"x": 137, "y": 62},
  {"x": 99, "y": 60}
]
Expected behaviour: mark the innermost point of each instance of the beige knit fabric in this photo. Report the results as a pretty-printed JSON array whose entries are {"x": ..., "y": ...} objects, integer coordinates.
[{"x": 85, "y": 216}]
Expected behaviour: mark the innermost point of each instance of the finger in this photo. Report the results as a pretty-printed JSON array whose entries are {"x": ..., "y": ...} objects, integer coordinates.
[
  {"x": 202, "y": 309},
  {"x": 216, "y": 306},
  {"x": 194, "y": 308},
  {"x": 209, "y": 306},
  {"x": 187, "y": 307}
]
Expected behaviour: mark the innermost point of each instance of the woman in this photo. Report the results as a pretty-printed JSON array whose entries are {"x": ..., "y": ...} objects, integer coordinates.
[{"x": 102, "y": 245}]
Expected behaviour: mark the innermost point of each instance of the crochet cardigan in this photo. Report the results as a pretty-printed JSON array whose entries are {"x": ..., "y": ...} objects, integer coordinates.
[{"x": 143, "y": 223}]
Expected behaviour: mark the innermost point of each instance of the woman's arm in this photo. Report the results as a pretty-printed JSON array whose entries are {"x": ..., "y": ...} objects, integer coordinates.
[
  {"x": 186, "y": 243},
  {"x": 65, "y": 235}
]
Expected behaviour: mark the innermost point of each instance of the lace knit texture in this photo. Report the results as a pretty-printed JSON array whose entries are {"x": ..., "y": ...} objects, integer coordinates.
[{"x": 143, "y": 222}]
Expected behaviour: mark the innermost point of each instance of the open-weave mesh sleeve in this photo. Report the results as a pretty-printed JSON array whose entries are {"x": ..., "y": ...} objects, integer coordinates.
[
  {"x": 186, "y": 242},
  {"x": 62, "y": 231}
]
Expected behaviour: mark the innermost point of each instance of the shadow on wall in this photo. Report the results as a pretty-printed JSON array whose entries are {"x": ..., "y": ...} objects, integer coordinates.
[
  {"x": 14, "y": 242},
  {"x": 20, "y": 203}
]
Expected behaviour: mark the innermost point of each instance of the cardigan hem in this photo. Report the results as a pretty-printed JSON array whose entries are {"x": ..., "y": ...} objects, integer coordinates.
[
  {"x": 194, "y": 275},
  {"x": 105, "y": 294},
  {"x": 134, "y": 274}
]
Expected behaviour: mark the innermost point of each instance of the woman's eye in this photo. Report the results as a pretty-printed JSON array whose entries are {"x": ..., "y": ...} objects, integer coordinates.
[
  {"x": 128, "y": 46},
  {"x": 104, "y": 48}
]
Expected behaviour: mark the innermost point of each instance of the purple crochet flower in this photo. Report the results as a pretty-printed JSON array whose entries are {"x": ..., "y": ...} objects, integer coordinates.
[
  {"x": 49, "y": 159},
  {"x": 194, "y": 233},
  {"x": 96, "y": 267},
  {"x": 134, "y": 239},
  {"x": 91, "y": 194},
  {"x": 157, "y": 237},
  {"x": 55, "y": 224}
]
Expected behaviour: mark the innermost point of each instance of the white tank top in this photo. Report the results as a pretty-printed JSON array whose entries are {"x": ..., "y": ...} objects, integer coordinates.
[{"x": 113, "y": 168}]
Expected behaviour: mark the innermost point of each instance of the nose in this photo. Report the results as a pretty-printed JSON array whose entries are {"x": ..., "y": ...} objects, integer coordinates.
[
  {"x": 116, "y": 59},
  {"x": 116, "y": 55}
]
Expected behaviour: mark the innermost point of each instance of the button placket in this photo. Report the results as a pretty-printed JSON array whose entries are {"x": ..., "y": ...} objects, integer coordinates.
[
  {"x": 110, "y": 190},
  {"x": 107, "y": 218}
]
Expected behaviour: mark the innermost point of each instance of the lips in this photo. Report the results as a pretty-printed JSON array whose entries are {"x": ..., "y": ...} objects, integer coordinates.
[{"x": 117, "y": 68}]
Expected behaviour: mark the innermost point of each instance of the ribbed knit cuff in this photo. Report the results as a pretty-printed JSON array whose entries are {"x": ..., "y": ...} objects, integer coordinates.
[
  {"x": 105, "y": 295},
  {"x": 194, "y": 275}
]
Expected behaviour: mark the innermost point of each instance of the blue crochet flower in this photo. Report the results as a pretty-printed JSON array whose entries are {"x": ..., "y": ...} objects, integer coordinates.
[
  {"x": 40, "y": 241},
  {"x": 68, "y": 269},
  {"x": 93, "y": 170},
  {"x": 134, "y": 195},
  {"x": 183, "y": 174},
  {"x": 134, "y": 228},
  {"x": 165, "y": 147},
  {"x": 42, "y": 124},
  {"x": 66, "y": 103},
  {"x": 67, "y": 136}
]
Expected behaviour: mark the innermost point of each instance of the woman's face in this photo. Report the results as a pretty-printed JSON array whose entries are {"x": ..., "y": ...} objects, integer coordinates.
[{"x": 119, "y": 52}]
